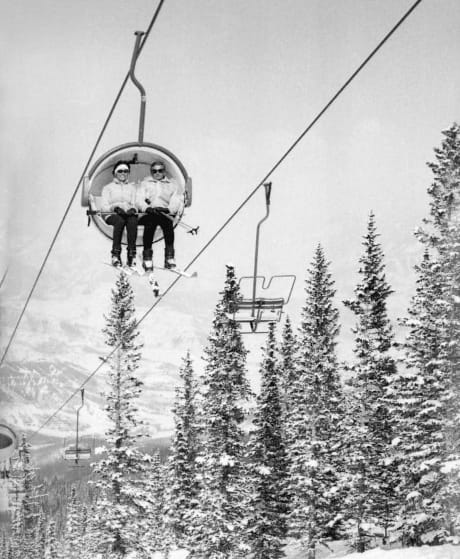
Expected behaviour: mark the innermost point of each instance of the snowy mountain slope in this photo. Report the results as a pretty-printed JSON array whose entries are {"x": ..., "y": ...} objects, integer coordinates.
[{"x": 60, "y": 343}]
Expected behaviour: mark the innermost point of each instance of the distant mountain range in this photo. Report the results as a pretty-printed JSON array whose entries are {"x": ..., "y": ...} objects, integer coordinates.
[{"x": 59, "y": 345}]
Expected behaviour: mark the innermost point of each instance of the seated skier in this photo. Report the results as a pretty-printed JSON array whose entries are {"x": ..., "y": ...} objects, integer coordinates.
[
  {"x": 161, "y": 199},
  {"x": 119, "y": 199}
]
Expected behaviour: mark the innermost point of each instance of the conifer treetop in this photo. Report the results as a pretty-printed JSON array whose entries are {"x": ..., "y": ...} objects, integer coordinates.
[
  {"x": 445, "y": 190},
  {"x": 371, "y": 293},
  {"x": 319, "y": 326}
]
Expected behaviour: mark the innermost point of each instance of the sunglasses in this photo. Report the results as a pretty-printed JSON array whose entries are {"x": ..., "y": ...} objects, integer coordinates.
[
  {"x": 122, "y": 171},
  {"x": 158, "y": 170}
]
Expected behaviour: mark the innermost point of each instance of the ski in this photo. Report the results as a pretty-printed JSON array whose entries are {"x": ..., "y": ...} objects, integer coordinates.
[
  {"x": 138, "y": 271},
  {"x": 133, "y": 270},
  {"x": 178, "y": 272}
]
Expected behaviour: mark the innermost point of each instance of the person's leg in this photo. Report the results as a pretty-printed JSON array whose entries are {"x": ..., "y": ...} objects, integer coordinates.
[
  {"x": 167, "y": 227},
  {"x": 131, "y": 232},
  {"x": 150, "y": 225},
  {"x": 118, "y": 224}
]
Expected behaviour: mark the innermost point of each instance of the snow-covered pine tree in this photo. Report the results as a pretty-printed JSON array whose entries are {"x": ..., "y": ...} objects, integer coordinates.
[
  {"x": 315, "y": 415},
  {"x": 430, "y": 418},
  {"x": 184, "y": 451},
  {"x": 372, "y": 497},
  {"x": 52, "y": 547},
  {"x": 286, "y": 356},
  {"x": 29, "y": 505},
  {"x": 268, "y": 505},
  {"x": 40, "y": 536},
  {"x": 16, "y": 544},
  {"x": 74, "y": 533},
  {"x": 121, "y": 514},
  {"x": 218, "y": 525},
  {"x": 420, "y": 416},
  {"x": 160, "y": 537},
  {"x": 3, "y": 544},
  {"x": 445, "y": 211}
]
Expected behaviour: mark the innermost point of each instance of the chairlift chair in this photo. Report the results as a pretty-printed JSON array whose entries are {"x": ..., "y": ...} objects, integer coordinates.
[
  {"x": 76, "y": 452},
  {"x": 259, "y": 309},
  {"x": 139, "y": 155}
]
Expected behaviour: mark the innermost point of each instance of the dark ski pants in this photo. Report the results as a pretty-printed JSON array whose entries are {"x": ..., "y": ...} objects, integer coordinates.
[
  {"x": 119, "y": 222},
  {"x": 150, "y": 223}
]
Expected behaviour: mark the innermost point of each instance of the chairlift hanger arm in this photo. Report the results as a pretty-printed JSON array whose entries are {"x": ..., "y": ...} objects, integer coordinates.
[
  {"x": 268, "y": 190},
  {"x": 78, "y": 422},
  {"x": 137, "y": 83}
]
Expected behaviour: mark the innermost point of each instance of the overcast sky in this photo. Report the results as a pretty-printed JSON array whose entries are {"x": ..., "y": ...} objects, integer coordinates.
[{"x": 230, "y": 85}]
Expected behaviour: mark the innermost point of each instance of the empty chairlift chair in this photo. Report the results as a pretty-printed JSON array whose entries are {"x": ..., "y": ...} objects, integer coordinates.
[
  {"x": 77, "y": 452},
  {"x": 263, "y": 306}
]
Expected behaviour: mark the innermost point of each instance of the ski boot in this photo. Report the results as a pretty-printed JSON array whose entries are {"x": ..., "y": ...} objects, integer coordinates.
[
  {"x": 131, "y": 261},
  {"x": 116, "y": 260},
  {"x": 170, "y": 261},
  {"x": 147, "y": 260}
]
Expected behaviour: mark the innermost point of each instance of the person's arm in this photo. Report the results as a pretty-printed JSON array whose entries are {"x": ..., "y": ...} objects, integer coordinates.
[
  {"x": 143, "y": 197},
  {"x": 106, "y": 205},
  {"x": 131, "y": 204},
  {"x": 176, "y": 202}
]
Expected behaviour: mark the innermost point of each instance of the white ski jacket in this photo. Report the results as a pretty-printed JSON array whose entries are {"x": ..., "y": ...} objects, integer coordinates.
[
  {"x": 118, "y": 194},
  {"x": 164, "y": 193}
]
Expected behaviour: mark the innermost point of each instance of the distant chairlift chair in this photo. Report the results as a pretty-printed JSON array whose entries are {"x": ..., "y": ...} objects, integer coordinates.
[
  {"x": 258, "y": 309},
  {"x": 77, "y": 452}
]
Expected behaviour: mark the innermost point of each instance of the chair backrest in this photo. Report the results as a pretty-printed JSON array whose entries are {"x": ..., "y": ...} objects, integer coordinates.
[
  {"x": 261, "y": 303},
  {"x": 79, "y": 453}
]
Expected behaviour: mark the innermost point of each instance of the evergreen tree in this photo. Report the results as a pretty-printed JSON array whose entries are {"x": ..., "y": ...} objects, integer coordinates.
[
  {"x": 269, "y": 501},
  {"x": 121, "y": 512},
  {"x": 315, "y": 414},
  {"x": 218, "y": 524},
  {"x": 28, "y": 500},
  {"x": 16, "y": 547},
  {"x": 184, "y": 452},
  {"x": 287, "y": 369},
  {"x": 40, "y": 536},
  {"x": 52, "y": 548},
  {"x": 159, "y": 537},
  {"x": 74, "y": 533},
  {"x": 430, "y": 417},
  {"x": 420, "y": 417},
  {"x": 372, "y": 496},
  {"x": 4, "y": 547}
]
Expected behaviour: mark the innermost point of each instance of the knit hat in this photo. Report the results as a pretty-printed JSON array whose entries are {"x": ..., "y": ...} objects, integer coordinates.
[{"x": 121, "y": 166}]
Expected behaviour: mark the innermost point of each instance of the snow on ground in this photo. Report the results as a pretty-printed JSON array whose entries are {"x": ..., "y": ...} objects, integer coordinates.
[
  {"x": 424, "y": 552},
  {"x": 340, "y": 549}
]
